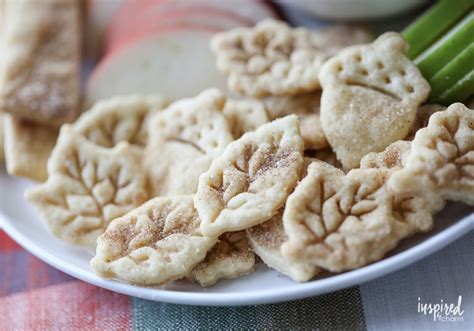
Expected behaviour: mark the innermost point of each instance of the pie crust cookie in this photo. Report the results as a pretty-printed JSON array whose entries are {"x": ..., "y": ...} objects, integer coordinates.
[
  {"x": 184, "y": 139},
  {"x": 394, "y": 156},
  {"x": 423, "y": 115},
  {"x": 371, "y": 94},
  {"x": 153, "y": 244},
  {"x": 251, "y": 180},
  {"x": 119, "y": 119},
  {"x": 274, "y": 59},
  {"x": 266, "y": 240},
  {"x": 340, "y": 222},
  {"x": 41, "y": 54},
  {"x": 441, "y": 161},
  {"x": 230, "y": 258},
  {"x": 87, "y": 187},
  {"x": 307, "y": 107},
  {"x": 27, "y": 147},
  {"x": 2, "y": 144},
  {"x": 244, "y": 115}
]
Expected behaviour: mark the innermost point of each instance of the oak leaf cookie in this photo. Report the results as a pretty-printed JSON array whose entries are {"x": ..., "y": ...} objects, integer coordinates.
[
  {"x": 392, "y": 157},
  {"x": 244, "y": 115},
  {"x": 230, "y": 258},
  {"x": 266, "y": 240},
  {"x": 371, "y": 94},
  {"x": 87, "y": 187},
  {"x": 2, "y": 155},
  {"x": 441, "y": 161},
  {"x": 273, "y": 59},
  {"x": 251, "y": 180},
  {"x": 184, "y": 139},
  {"x": 122, "y": 118},
  {"x": 306, "y": 106},
  {"x": 339, "y": 222},
  {"x": 153, "y": 244},
  {"x": 423, "y": 115}
]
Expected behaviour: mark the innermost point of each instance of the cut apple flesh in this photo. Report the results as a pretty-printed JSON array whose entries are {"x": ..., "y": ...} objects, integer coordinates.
[
  {"x": 212, "y": 21},
  {"x": 437, "y": 20},
  {"x": 174, "y": 64}
]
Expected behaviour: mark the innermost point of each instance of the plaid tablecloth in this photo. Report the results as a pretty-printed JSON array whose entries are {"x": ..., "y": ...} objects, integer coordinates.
[{"x": 34, "y": 296}]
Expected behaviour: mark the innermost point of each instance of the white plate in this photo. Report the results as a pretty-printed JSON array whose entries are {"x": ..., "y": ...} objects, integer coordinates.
[{"x": 21, "y": 222}]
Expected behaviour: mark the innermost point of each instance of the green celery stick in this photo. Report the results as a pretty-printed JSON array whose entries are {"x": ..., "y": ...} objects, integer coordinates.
[
  {"x": 462, "y": 90},
  {"x": 453, "y": 72},
  {"x": 431, "y": 25},
  {"x": 446, "y": 48}
]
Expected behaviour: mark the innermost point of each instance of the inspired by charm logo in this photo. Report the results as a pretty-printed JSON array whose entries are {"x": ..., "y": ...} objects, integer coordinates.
[{"x": 442, "y": 311}]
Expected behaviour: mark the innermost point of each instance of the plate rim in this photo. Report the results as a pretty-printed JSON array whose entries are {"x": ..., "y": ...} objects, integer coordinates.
[{"x": 299, "y": 291}]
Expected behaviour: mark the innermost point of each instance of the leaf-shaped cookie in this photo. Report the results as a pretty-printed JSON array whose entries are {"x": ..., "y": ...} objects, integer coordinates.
[
  {"x": 266, "y": 240},
  {"x": 87, "y": 187},
  {"x": 184, "y": 139},
  {"x": 250, "y": 181},
  {"x": 306, "y": 106},
  {"x": 441, "y": 161},
  {"x": 230, "y": 258},
  {"x": 122, "y": 118},
  {"x": 274, "y": 59},
  {"x": 2, "y": 155},
  {"x": 370, "y": 97},
  {"x": 340, "y": 222},
  {"x": 244, "y": 115},
  {"x": 153, "y": 244},
  {"x": 392, "y": 157},
  {"x": 326, "y": 155},
  {"x": 423, "y": 115},
  {"x": 281, "y": 106}
]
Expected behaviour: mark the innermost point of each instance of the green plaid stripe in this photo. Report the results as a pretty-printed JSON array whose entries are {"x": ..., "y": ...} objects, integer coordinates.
[{"x": 340, "y": 310}]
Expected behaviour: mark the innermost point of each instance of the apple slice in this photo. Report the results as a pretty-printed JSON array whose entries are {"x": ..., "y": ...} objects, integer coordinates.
[
  {"x": 175, "y": 64},
  {"x": 252, "y": 11},
  {"x": 213, "y": 20},
  {"x": 431, "y": 25},
  {"x": 99, "y": 15},
  {"x": 134, "y": 14},
  {"x": 117, "y": 44}
]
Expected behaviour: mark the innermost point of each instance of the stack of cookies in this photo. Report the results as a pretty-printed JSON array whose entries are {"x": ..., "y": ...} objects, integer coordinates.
[{"x": 322, "y": 158}]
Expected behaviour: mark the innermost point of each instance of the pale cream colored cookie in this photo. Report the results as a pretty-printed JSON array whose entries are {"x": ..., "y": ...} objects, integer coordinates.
[
  {"x": 340, "y": 222},
  {"x": 251, "y": 180},
  {"x": 274, "y": 59},
  {"x": 87, "y": 187},
  {"x": 230, "y": 258},
  {"x": 2, "y": 155},
  {"x": 371, "y": 94},
  {"x": 312, "y": 132},
  {"x": 122, "y": 118},
  {"x": 326, "y": 155},
  {"x": 184, "y": 139},
  {"x": 39, "y": 74},
  {"x": 423, "y": 115},
  {"x": 27, "y": 147},
  {"x": 281, "y": 106},
  {"x": 244, "y": 115},
  {"x": 441, "y": 161},
  {"x": 306, "y": 106},
  {"x": 266, "y": 240},
  {"x": 393, "y": 156},
  {"x": 153, "y": 244}
]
